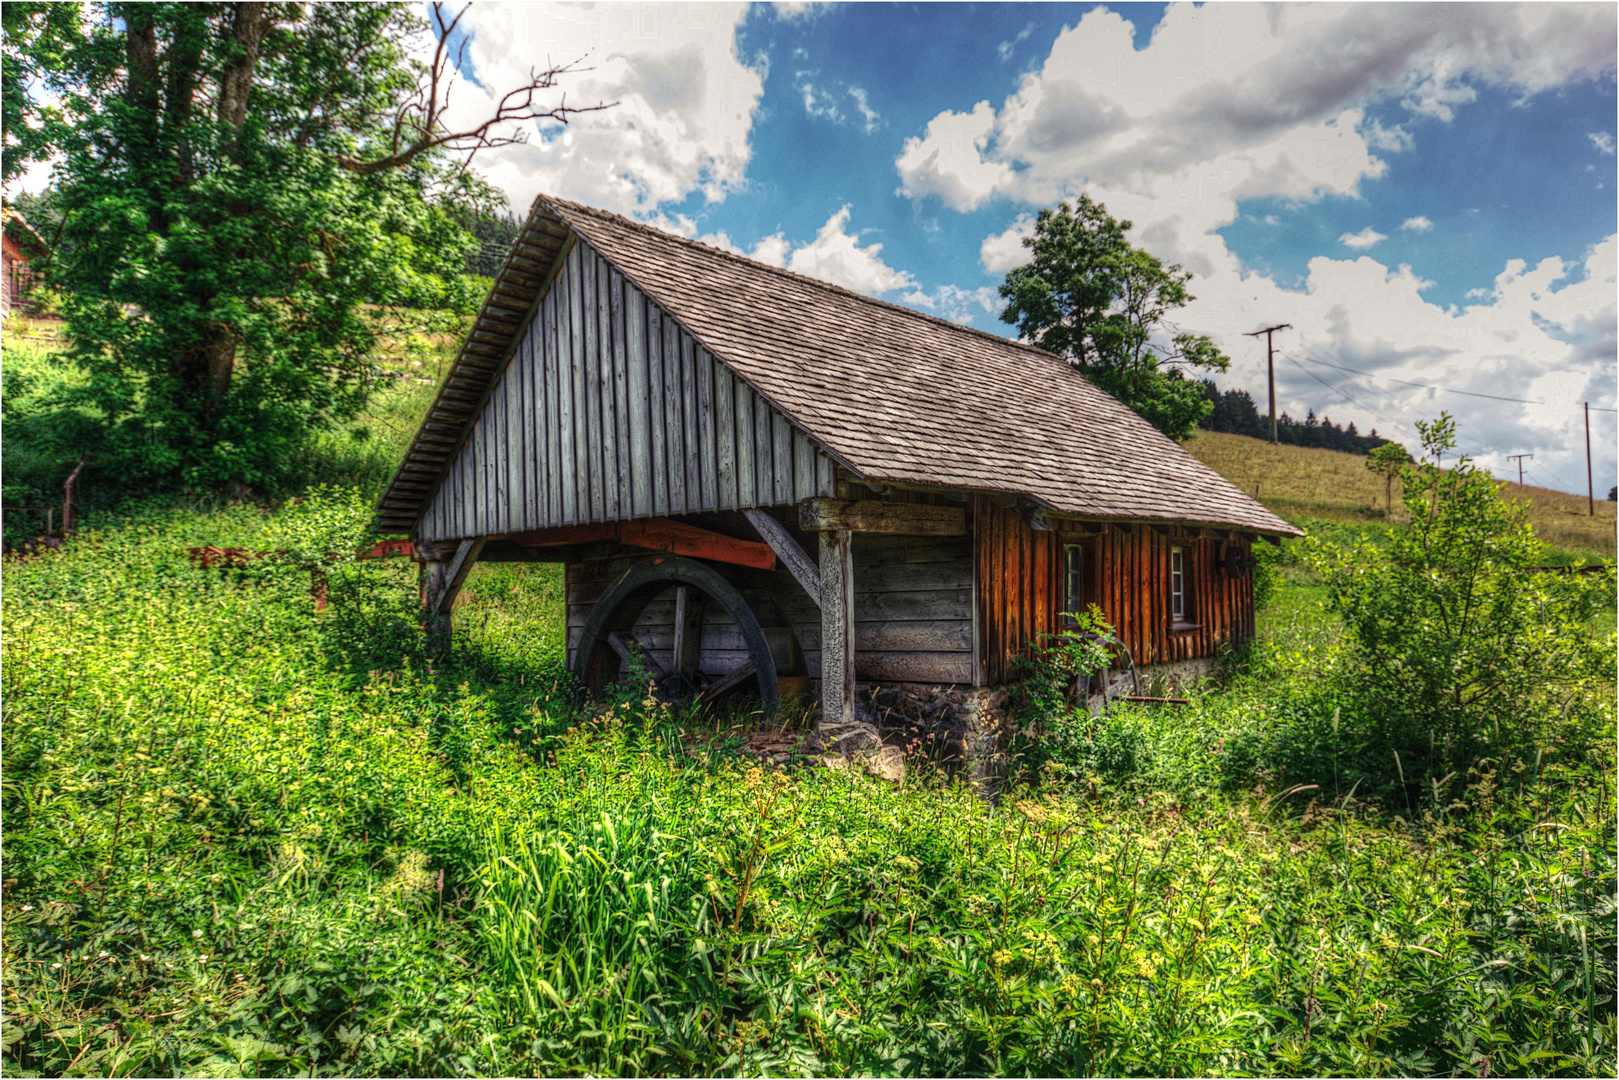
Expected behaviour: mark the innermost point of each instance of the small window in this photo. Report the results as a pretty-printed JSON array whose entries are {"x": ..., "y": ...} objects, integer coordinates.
[
  {"x": 1177, "y": 584},
  {"x": 1073, "y": 580}
]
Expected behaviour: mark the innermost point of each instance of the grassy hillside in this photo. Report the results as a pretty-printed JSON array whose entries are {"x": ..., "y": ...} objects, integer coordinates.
[{"x": 1301, "y": 482}]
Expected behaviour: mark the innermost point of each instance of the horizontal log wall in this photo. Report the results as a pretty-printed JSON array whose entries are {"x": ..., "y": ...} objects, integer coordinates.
[
  {"x": 913, "y": 610},
  {"x": 609, "y": 411},
  {"x": 1020, "y": 589}
]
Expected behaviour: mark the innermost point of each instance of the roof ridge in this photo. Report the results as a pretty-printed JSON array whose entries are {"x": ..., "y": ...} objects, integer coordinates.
[{"x": 662, "y": 234}]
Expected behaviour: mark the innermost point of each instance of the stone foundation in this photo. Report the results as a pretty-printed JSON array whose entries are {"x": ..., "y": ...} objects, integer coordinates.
[
  {"x": 1174, "y": 679},
  {"x": 964, "y": 729},
  {"x": 961, "y": 729}
]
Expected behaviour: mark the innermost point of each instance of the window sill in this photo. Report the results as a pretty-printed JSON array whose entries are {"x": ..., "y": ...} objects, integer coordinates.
[{"x": 1184, "y": 627}]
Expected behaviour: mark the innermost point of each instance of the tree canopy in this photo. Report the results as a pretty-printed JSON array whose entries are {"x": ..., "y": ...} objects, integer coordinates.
[
  {"x": 247, "y": 191},
  {"x": 1102, "y": 304}
]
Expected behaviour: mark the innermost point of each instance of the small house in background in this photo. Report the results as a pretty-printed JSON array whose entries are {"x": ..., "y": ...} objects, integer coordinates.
[
  {"x": 19, "y": 244},
  {"x": 756, "y": 479}
]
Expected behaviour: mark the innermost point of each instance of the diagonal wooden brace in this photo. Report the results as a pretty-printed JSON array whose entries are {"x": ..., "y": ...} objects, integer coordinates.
[{"x": 793, "y": 557}]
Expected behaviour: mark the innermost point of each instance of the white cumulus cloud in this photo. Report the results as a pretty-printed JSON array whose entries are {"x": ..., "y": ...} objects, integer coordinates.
[
  {"x": 955, "y": 303},
  {"x": 1366, "y": 238},
  {"x": 1267, "y": 101},
  {"x": 682, "y": 111},
  {"x": 836, "y": 255},
  {"x": 1602, "y": 140},
  {"x": 1264, "y": 100}
]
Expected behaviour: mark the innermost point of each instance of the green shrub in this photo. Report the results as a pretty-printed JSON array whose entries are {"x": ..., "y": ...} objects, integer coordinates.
[{"x": 1449, "y": 631}]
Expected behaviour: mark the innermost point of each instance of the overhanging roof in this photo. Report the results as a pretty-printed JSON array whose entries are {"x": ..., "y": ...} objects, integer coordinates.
[{"x": 895, "y": 395}]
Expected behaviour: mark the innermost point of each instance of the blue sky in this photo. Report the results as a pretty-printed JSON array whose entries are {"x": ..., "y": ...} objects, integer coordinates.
[{"x": 1426, "y": 193}]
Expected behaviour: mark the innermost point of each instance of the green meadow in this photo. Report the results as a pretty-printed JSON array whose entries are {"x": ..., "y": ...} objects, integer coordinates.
[{"x": 243, "y": 837}]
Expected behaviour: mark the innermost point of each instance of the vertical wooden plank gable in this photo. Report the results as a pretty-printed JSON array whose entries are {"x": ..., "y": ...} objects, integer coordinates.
[
  {"x": 639, "y": 394},
  {"x": 673, "y": 417},
  {"x": 608, "y": 410},
  {"x": 655, "y": 408},
  {"x": 621, "y": 399}
]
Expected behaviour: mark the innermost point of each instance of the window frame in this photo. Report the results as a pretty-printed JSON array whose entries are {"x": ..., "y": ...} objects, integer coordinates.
[
  {"x": 1180, "y": 590},
  {"x": 1070, "y": 578}
]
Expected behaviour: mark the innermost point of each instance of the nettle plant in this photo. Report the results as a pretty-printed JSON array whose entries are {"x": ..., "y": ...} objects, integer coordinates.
[{"x": 1450, "y": 631}]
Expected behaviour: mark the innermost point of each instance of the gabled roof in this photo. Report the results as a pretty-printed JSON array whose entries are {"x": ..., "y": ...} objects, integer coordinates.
[
  {"x": 892, "y": 394},
  {"x": 28, "y": 241}
]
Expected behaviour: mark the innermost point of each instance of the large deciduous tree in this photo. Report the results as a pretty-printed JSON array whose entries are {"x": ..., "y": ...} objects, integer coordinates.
[
  {"x": 246, "y": 188},
  {"x": 1092, "y": 298}
]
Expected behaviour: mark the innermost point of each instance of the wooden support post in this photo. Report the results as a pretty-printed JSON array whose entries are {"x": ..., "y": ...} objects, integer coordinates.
[
  {"x": 793, "y": 557},
  {"x": 434, "y": 625},
  {"x": 441, "y": 581},
  {"x": 838, "y": 717},
  {"x": 688, "y": 648}
]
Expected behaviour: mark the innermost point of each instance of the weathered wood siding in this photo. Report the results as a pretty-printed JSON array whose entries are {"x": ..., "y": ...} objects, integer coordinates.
[
  {"x": 1132, "y": 583},
  {"x": 1019, "y": 586},
  {"x": 607, "y": 411},
  {"x": 1020, "y": 589},
  {"x": 913, "y": 610}
]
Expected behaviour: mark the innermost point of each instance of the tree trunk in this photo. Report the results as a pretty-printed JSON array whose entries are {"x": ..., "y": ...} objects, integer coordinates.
[
  {"x": 207, "y": 368},
  {"x": 143, "y": 84},
  {"x": 184, "y": 58},
  {"x": 236, "y": 80}
]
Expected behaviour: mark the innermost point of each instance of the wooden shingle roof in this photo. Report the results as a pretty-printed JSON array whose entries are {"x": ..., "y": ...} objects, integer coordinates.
[{"x": 899, "y": 396}]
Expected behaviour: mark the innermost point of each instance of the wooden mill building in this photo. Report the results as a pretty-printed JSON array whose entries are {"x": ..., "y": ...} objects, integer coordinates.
[{"x": 757, "y": 478}]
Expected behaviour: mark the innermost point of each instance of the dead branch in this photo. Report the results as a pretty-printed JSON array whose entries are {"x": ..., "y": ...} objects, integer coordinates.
[{"x": 418, "y": 125}]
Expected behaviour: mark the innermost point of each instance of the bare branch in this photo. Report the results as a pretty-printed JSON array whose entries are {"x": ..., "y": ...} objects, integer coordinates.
[{"x": 419, "y": 126}]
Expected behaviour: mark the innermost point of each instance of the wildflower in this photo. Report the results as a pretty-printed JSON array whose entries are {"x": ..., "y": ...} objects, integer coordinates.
[
  {"x": 145, "y": 957},
  {"x": 196, "y": 933},
  {"x": 905, "y": 862},
  {"x": 102, "y": 954},
  {"x": 28, "y": 907},
  {"x": 56, "y": 965},
  {"x": 204, "y": 959},
  {"x": 1033, "y": 811},
  {"x": 1001, "y": 957},
  {"x": 1252, "y": 918}
]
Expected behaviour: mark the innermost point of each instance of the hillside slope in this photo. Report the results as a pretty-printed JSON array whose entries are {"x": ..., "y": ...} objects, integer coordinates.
[{"x": 1297, "y": 481}]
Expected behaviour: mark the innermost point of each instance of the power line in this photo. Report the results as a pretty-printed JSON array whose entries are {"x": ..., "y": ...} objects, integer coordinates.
[
  {"x": 1324, "y": 382},
  {"x": 1424, "y": 386}
]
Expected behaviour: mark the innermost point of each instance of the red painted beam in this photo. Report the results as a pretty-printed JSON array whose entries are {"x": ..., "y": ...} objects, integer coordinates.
[
  {"x": 389, "y": 548},
  {"x": 657, "y": 534},
  {"x": 661, "y": 534}
]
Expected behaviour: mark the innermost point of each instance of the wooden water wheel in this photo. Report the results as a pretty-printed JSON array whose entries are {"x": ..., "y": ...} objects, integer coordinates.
[{"x": 607, "y": 642}]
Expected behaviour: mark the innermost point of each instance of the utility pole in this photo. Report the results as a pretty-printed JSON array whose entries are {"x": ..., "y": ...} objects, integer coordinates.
[
  {"x": 1270, "y": 367},
  {"x": 1519, "y": 459},
  {"x": 1590, "y": 491}
]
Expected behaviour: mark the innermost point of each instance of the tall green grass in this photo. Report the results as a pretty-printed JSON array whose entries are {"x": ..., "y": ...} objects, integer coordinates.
[{"x": 244, "y": 837}]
